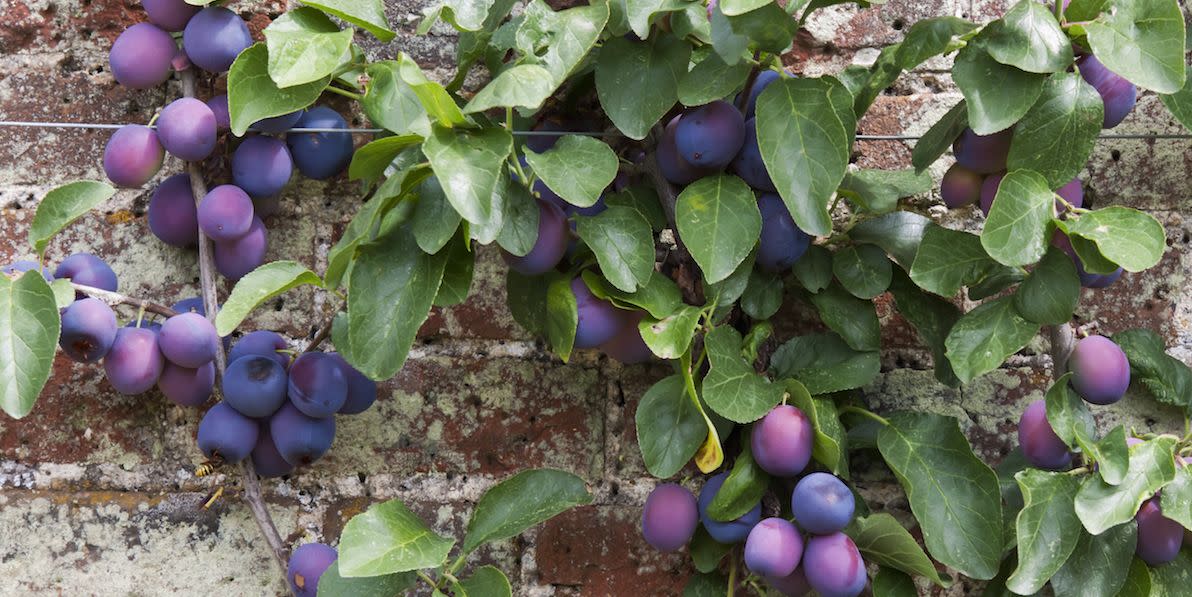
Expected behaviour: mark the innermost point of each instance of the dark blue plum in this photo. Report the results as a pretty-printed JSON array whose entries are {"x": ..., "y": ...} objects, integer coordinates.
[
  {"x": 321, "y": 155},
  {"x": 989, "y": 188},
  {"x": 731, "y": 531},
  {"x": 541, "y": 143},
  {"x": 172, "y": 215},
  {"x": 317, "y": 385},
  {"x": 760, "y": 82},
  {"x": 627, "y": 346},
  {"x": 672, "y": 165},
  {"x": 261, "y": 342},
  {"x": 1100, "y": 370},
  {"x": 24, "y": 265},
  {"x": 88, "y": 330},
  {"x": 193, "y": 304},
  {"x": 225, "y": 213},
  {"x": 1041, "y": 447},
  {"x": 669, "y": 517},
  {"x": 1118, "y": 94},
  {"x": 144, "y": 324},
  {"x": 1073, "y": 193},
  {"x": 822, "y": 504},
  {"x": 214, "y": 37},
  {"x": 277, "y": 124},
  {"x": 88, "y": 270},
  {"x": 141, "y": 57},
  {"x": 833, "y": 566},
  {"x": 170, "y": 15},
  {"x": 132, "y": 156},
  {"x": 134, "y": 362},
  {"x": 307, "y": 564},
  {"x": 219, "y": 107},
  {"x": 1088, "y": 280},
  {"x": 186, "y": 128},
  {"x": 711, "y": 135},
  {"x": 550, "y": 245},
  {"x": 189, "y": 340},
  {"x": 1159, "y": 537},
  {"x": 236, "y": 258},
  {"x": 265, "y": 458},
  {"x": 781, "y": 441},
  {"x": 261, "y": 166},
  {"x": 782, "y": 243},
  {"x": 187, "y": 387},
  {"x": 599, "y": 320},
  {"x": 749, "y": 165},
  {"x": 983, "y": 154},
  {"x": 362, "y": 391},
  {"x": 774, "y": 548},
  {"x": 226, "y": 434},
  {"x": 300, "y": 439},
  {"x": 960, "y": 187},
  {"x": 255, "y": 385}
]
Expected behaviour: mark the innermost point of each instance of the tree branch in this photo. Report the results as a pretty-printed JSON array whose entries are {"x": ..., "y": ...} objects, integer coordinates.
[
  {"x": 686, "y": 278},
  {"x": 324, "y": 331},
  {"x": 113, "y": 298},
  {"x": 1063, "y": 340}
]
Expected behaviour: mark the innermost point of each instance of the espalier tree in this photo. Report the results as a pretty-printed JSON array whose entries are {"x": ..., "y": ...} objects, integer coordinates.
[{"x": 659, "y": 187}]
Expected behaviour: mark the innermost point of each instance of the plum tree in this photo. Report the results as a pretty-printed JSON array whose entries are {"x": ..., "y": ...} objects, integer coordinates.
[
  {"x": 960, "y": 187},
  {"x": 550, "y": 246},
  {"x": 748, "y": 162},
  {"x": 185, "y": 386},
  {"x": 219, "y": 107},
  {"x": 260, "y": 342},
  {"x": 598, "y": 319},
  {"x": 711, "y": 135},
  {"x": 822, "y": 504},
  {"x": 261, "y": 166},
  {"x": 672, "y": 165},
  {"x": 317, "y": 384},
  {"x": 1118, "y": 94},
  {"x": 1159, "y": 537},
  {"x": 321, "y": 155},
  {"x": 627, "y": 346},
  {"x": 186, "y": 128},
  {"x": 266, "y": 460},
  {"x": 225, "y": 213},
  {"x": 133, "y": 363},
  {"x": 235, "y": 258},
  {"x": 214, "y": 37},
  {"x": 173, "y": 217},
  {"x": 1040, "y": 445},
  {"x": 255, "y": 385},
  {"x": 88, "y": 330},
  {"x": 669, "y": 517},
  {"x": 226, "y": 434},
  {"x": 300, "y": 439},
  {"x": 774, "y": 548},
  {"x": 307, "y": 564},
  {"x": 834, "y": 566},
  {"x": 132, "y": 156},
  {"x": 170, "y": 15},
  {"x": 983, "y": 154},
  {"x": 781, "y": 243},
  {"x": 88, "y": 270},
  {"x": 1100, "y": 370},
  {"x": 141, "y": 56},
  {"x": 781, "y": 441},
  {"x": 189, "y": 340},
  {"x": 362, "y": 391},
  {"x": 278, "y": 124},
  {"x": 731, "y": 531}
]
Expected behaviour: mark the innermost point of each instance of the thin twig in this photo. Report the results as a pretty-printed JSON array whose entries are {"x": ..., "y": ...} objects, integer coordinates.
[
  {"x": 688, "y": 284},
  {"x": 113, "y": 298},
  {"x": 324, "y": 331},
  {"x": 1063, "y": 340}
]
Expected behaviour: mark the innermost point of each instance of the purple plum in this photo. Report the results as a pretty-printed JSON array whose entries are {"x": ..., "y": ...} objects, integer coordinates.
[
  {"x": 362, "y": 391},
  {"x": 1100, "y": 370},
  {"x": 134, "y": 362},
  {"x": 214, "y": 37},
  {"x": 267, "y": 461},
  {"x": 983, "y": 154},
  {"x": 672, "y": 165},
  {"x": 88, "y": 270},
  {"x": 236, "y": 258},
  {"x": 1159, "y": 537},
  {"x": 88, "y": 330},
  {"x": 833, "y": 566},
  {"x": 749, "y": 165},
  {"x": 550, "y": 245},
  {"x": 307, "y": 564},
  {"x": 261, "y": 166},
  {"x": 774, "y": 548},
  {"x": 960, "y": 187},
  {"x": 1118, "y": 94},
  {"x": 781, "y": 441},
  {"x": 781, "y": 243},
  {"x": 132, "y": 156},
  {"x": 730, "y": 531},
  {"x": 187, "y": 387},
  {"x": 669, "y": 517},
  {"x": 300, "y": 439},
  {"x": 1041, "y": 447},
  {"x": 173, "y": 217},
  {"x": 711, "y": 135},
  {"x": 141, "y": 57},
  {"x": 261, "y": 342},
  {"x": 189, "y": 340},
  {"x": 226, "y": 434},
  {"x": 822, "y": 504},
  {"x": 170, "y": 15},
  {"x": 598, "y": 319},
  {"x": 321, "y": 155},
  {"x": 226, "y": 213},
  {"x": 255, "y": 385},
  {"x": 317, "y": 384},
  {"x": 186, "y": 128}
]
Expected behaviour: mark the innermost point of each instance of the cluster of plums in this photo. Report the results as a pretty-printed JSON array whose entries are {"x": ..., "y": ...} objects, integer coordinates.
[
  {"x": 811, "y": 553},
  {"x": 188, "y": 128}
]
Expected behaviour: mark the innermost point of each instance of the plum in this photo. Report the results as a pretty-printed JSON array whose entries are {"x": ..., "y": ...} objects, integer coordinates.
[
  {"x": 142, "y": 56},
  {"x": 550, "y": 245},
  {"x": 255, "y": 385},
  {"x": 187, "y": 387},
  {"x": 189, "y": 340},
  {"x": 669, "y": 517},
  {"x": 1041, "y": 447},
  {"x": 781, "y": 441},
  {"x": 781, "y": 242},
  {"x": 132, "y": 156},
  {"x": 983, "y": 154},
  {"x": 960, "y": 187},
  {"x": 226, "y": 213},
  {"x": 261, "y": 342},
  {"x": 760, "y": 83},
  {"x": 748, "y": 163},
  {"x": 627, "y": 346},
  {"x": 219, "y": 107},
  {"x": 1100, "y": 370},
  {"x": 1118, "y": 94},
  {"x": 362, "y": 391},
  {"x": 170, "y": 15},
  {"x": 541, "y": 143},
  {"x": 25, "y": 265},
  {"x": 186, "y": 128},
  {"x": 88, "y": 270},
  {"x": 1087, "y": 280},
  {"x": 88, "y": 330},
  {"x": 277, "y": 124},
  {"x": 598, "y": 319},
  {"x": 226, "y": 434},
  {"x": 236, "y": 258},
  {"x": 1159, "y": 537},
  {"x": 773, "y": 548},
  {"x": 134, "y": 362},
  {"x": 711, "y": 135},
  {"x": 833, "y": 566},
  {"x": 791, "y": 585},
  {"x": 300, "y": 439},
  {"x": 214, "y": 37},
  {"x": 317, "y": 384},
  {"x": 730, "y": 531},
  {"x": 173, "y": 217},
  {"x": 307, "y": 564},
  {"x": 321, "y": 155},
  {"x": 261, "y": 166},
  {"x": 989, "y": 189},
  {"x": 1072, "y": 192},
  {"x": 672, "y": 165},
  {"x": 267, "y": 461},
  {"x": 822, "y": 504}
]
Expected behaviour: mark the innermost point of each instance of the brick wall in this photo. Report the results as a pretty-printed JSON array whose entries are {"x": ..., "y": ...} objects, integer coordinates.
[{"x": 96, "y": 494}]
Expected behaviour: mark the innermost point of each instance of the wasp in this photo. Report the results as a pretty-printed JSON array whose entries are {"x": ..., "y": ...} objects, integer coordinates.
[{"x": 208, "y": 467}]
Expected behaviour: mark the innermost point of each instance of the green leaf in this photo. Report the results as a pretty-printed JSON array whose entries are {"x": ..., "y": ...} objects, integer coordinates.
[
  {"x": 1101, "y": 506},
  {"x": 954, "y": 495},
  {"x": 1138, "y": 580},
  {"x": 982, "y": 339},
  {"x": 814, "y": 269},
  {"x": 768, "y": 29},
  {"x": 521, "y": 86},
  {"x": 522, "y": 501},
  {"x": 731, "y": 387},
  {"x": 830, "y": 446},
  {"x": 457, "y": 274},
  {"x": 863, "y": 270},
  {"x": 1130, "y": 238},
  {"x": 389, "y": 538},
  {"x": 1047, "y": 528},
  {"x": 1097, "y": 565},
  {"x": 669, "y": 428},
  {"x": 641, "y": 12},
  {"x": 392, "y": 287},
  {"x": 638, "y": 82},
  {"x": 737, "y": 7},
  {"x": 487, "y": 581},
  {"x": 367, "y": 14},
  {"x": 729, "y": 44},
  {"x": 29, "y": 326},
  {"x": 564, "y": 38},
  {"x": 468, "y": 15},
  {"x": 706, "y": 585},
  {"x": 711, "y": 79},
  {"x": 878, "y": 191},
  {"x": 939, "y": 137},
  {"x": 525, "y": 296},
  {"x": 805, "y": 131},
  {"x": 669, "y": 337},
  {"x": 1180, "y": 102},
  {"x": 1057, "y": 135},
  {"x": 883, "y": 541},
  {"x": 1177, "y": 497},
  {"x": 63, "y": 205},
  {"x": 468, "y": 165},
  {"x": 578, "y": 168},
  {"x": 763, "y": 295},
  {"x": 659, "y": 296},
  {"x": 1067, "y": 412},
  {"x": 304, "y": 46},
  {"x": 1029, "y": 38},
  {"x": 824, "y": 363},
  {"x": 892, "y": 583},
  {"x": 333, "y": 584},
  {"x": 899, "y": 233},
  {"x": 932, "y": 317},
  {"x": 1174, "y": 578},
  {"x": 562, "y": 317},
  {"x": 742, "y": 490},
  {"x": 1143, "y": 41},
  {"x": 949, "y": 259},
  {"x": 64, "y": 293},
  {"x": 1168, "y": 378},
  {"x": 997, "y": 95},
  {"x": 253, "y": 96},
  {"x": 1111, "y": 453},
  {"x": 435, "y": 221},
  {"x": 1051, "y": 291},
  {"x": 706, "y": 552},
  {"x": 1019, "y": 224},
  {"x": 390, "y": 102},
  {"x": 718, "y": 220},
  {"x": 258, "y": 286},
  {"x": 438, "y": 104},
  {"x": 644, "y": 200},
  {"x": 853, "y": 318},
  {"x": 370, "y": 162}
]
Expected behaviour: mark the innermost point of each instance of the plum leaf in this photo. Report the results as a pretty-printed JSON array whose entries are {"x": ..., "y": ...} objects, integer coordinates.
[
  {"x": 638, "y": 82},
  {"x": 719, "y": 222},
  {"x": 29, "y": 327},
  {"x": 522, "y": 501},
  {"x": 304, "y": 46},
  {"x": 1047, "y": 529},
  {"x": 669, "y": 428},
  {"x": 1143, "y": 41},
  {"x": 983, "y": 338},
  {"x": 1019, "y": 223},
  {"x": 1057, "y": 135},
  {"x": 63, "y": 205},
  {"x": 389, "y": 538}
]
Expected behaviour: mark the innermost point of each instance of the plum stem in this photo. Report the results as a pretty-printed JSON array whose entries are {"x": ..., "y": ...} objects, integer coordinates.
[
  {"x": 865, "y": 413},
  {"x": 732, "y": 576},
  {"x": 1059, "y": 10},
  {"x": 324, "y": 331},
  {"x": 688, "y": 284},
  {"x": 252, "y": 487},
  {"x": 428, "y": 580},
  {"x": 110, "y": 297},
  {"x": 345, "y": 92}
]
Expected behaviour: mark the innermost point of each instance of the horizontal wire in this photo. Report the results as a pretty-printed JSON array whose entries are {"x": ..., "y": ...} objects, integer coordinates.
[{"x": 89, "y": 125}]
